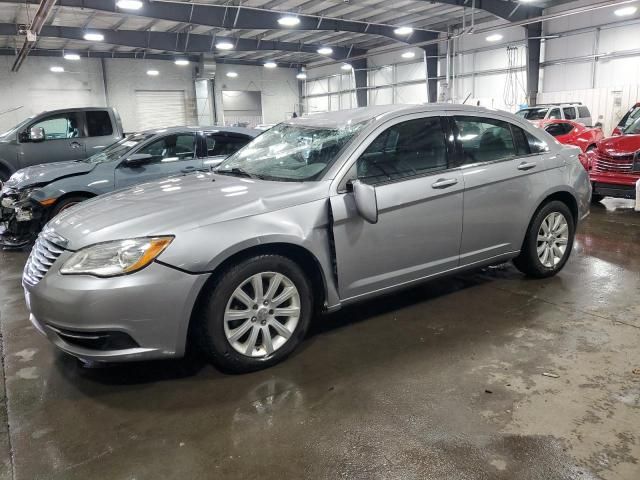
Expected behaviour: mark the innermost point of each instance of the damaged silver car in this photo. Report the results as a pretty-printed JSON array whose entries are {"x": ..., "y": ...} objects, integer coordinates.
[{"x": 315, "y": 213}]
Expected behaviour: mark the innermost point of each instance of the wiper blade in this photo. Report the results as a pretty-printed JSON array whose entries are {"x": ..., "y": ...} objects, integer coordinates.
[{"x": 236, "y": 171}]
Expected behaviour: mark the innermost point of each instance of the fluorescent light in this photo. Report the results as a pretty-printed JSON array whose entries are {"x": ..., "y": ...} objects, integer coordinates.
[
  {"x": 57, "y": 69},
  {"x": 346, "y": 66},
  {"x": 94, "y": 37},
  {"x": 224, "y": 45},
  {"x": 232, "y": 74},
  {"x": 71, "y": 56},
  {"x": 270, "y": 64},
  {"x": 408, "y": 55},
  {"x": 153, "y": 73},
  {"x": 129, "y": 4},
  {"x": 289, "y": 21},
  {"x": 182, "y": 62},
  {"x": 495, "y": 37},
  {"x": 301, "y": 76},
  {"x": 403, "y": 31},
  {"x": 626, "y": 11},
  {"x": 325, "y": 50}
]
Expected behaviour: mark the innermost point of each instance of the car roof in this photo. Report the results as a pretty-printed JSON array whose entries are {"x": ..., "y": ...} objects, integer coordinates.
[
  {"x": 199, "y": 128},
  {"x": 355, "y": 116}
]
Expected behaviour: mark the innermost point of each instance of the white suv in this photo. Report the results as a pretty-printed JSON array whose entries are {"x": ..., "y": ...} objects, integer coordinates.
[{"x": 561, "y": 111}]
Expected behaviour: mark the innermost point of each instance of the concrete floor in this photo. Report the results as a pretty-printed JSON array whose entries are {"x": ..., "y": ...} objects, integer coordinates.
[{"x": 442, "y": 381}]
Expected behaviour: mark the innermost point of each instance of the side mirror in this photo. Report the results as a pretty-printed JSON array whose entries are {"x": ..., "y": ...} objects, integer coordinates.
[
  {"x": 36, "y": 134},
  {"x": 366, "y": 200},
  {"x": 138, "y": 160}
]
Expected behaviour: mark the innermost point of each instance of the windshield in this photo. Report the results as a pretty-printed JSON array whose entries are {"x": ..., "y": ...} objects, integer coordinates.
[
  {"x": 290, "y": 153},
  {"x": 533, "y": 113},
  {"x": 118, "y": 149},
  {"x": 634, "y": 128}
]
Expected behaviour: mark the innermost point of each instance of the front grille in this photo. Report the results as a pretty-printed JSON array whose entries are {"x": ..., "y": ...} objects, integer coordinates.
[
  {"x": 43, "y": 256},
  {"x": 620, "y": 164}
]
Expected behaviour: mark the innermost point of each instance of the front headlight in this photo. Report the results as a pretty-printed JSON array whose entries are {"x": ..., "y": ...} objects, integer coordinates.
[{"x": 115, "y": 258}]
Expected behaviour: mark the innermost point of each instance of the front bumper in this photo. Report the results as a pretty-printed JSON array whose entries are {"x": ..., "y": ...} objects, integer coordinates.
[
  {"x": 141, "y": 316},
  {"x": 615, "y": 185},
  {"x": 20, "y": 220}
]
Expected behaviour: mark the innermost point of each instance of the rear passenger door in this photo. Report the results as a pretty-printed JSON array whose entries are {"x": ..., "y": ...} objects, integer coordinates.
[
  {"x": 503, "y": 175},
  {"x": 419, "y": 197},
  {"x": 171, "y": 154},
  {"x": 100, "y": 132}
]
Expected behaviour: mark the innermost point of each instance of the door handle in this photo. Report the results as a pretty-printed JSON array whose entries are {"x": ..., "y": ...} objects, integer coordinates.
[
  {"x": 527, "y": 165},
  {"x": 444, "y": 183},
  {"x": 188, "y": 169},
  {"x": 75, "y": 145}
]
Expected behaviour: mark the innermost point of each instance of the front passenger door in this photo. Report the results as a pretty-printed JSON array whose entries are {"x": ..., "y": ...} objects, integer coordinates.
[
  {"x": 171, "y": 154},
  {"x": 64, "y": 140},
  {"x": 419, "y": 200}
]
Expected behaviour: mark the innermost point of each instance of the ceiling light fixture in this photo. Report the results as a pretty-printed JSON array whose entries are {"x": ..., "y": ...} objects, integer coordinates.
[
  {"x": 232, "y": 74},
  {"x": 403, "y": 31},
  {"x": 129, "y": 4},
  {"x": 71, "y": 56},
  {"x": 93, "y": 37},
  {"x": 153, "y": 73},
  {"x": 496, "y": 37},
  {"x": 346, "y": 66},
  {"x": 270, "y": 64},
  {"x": 288, "y": 21},
  {"x": 301, "y": 76},
  {"x": 626, "y": 11},
  {"x": 224, "y": 45},
  {"x": 57, "y": 69},
  {"x": 182, "y": 62},
  {"x": 408, "y": 55},
  {"x": 325, "y": 50}
]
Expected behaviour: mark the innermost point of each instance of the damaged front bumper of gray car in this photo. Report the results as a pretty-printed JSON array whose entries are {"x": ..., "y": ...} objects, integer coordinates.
[{"x": 21, "y": 217}]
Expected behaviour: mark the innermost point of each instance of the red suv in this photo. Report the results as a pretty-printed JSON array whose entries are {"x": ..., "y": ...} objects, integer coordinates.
[{"x": 614, "y": 167}]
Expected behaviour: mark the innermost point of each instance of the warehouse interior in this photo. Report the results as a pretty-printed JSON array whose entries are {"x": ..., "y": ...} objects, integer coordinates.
[{"x": 481, "y": 374}]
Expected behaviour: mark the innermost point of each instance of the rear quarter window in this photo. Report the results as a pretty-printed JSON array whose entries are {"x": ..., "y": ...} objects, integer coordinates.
[
  {"x": 99, "y": 123},
  {"x": 584, "y": 112}
]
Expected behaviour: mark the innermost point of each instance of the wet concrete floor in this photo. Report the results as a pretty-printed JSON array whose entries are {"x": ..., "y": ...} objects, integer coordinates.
[{"x": 443, "y": 381}]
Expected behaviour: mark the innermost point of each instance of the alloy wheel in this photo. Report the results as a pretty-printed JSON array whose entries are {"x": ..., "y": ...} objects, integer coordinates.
[
  {"x": 262, "y": 314},
  {"x": 553, "y": 237}
]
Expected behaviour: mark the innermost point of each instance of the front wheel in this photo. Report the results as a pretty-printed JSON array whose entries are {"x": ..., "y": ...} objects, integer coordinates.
[
  {"x": 547, "y": 245},
  {"x": 257, "y": 313}
]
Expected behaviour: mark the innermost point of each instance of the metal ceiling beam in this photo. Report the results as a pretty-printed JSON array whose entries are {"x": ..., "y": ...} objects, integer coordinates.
[
  {"x": 44, "y": 9},
  {"x": 36, "y": 52},
  {"x": 511, "y": 10},
  {"x": 181, "y": 42},
  {"x": 238, "y": 18}
]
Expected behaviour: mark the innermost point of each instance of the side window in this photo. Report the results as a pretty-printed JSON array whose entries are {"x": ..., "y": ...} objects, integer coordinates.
[
  {"x": 569, "y": 113},
  {"x": 171, "y": 148},
  {"x": 98, "y": 123},
  {"x": 404, "y": 150},
  {"x": 60, "y": 126},
  {"x": 555, "y": 113},
  {"x": 584, "y": 112},
  {"x": 535, "y": 144},
  {"x": 522, "y": 144},
  {"x": 223, "y": 145},
  {"x": 557, "y": 129},
  {"x": 484, "y": 139}
]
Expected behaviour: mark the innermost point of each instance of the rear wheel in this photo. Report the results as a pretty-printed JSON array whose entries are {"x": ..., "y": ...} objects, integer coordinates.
[
  {"x": 256, "y": 314},
  {"x": 547, "y": 245}
]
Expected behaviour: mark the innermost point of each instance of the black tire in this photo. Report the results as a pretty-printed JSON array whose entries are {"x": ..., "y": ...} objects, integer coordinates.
[
  {"x": 591, "y": 148},
  {"x": 66, "y": 203},
  {"x": 528, "y": 262},
  {"x": 595, "y": 198},
  {"x": 4, "y": 174},
  {"x": 209, "y": 333}
]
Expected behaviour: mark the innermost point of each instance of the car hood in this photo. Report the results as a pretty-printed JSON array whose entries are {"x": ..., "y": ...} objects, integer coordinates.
[
  {"x": 46, "y": 173},
  {"x": 177, "y": 204},
  {"x": 622, "y": 145}
]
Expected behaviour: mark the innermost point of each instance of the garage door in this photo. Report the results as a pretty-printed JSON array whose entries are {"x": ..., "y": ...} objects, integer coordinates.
[{"x": 157, "y": 109}]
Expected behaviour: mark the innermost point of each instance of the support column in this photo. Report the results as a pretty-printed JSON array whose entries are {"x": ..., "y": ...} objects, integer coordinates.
[
  {"x": 431, "y": 64},
  {"x": 534, "y": 32},
  {"x": 360, "y": 76}
]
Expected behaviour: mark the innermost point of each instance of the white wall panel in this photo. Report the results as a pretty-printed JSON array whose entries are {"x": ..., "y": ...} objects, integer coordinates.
[
  {"x": 410, "y": 71},
  {"x": 411, "y": 94},
  {"x": 381, "y": 96},
  {"x": 569, "y": 47},
  {"x": 620, "y": 38},
  {"x": 318, "y": 104},
  {"x": 566, "y": 77}
]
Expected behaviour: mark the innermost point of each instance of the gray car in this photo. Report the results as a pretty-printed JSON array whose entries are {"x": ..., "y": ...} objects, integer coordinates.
[
  {"x": 314, "y": 214},
  {"x": 36, "y": 194}
]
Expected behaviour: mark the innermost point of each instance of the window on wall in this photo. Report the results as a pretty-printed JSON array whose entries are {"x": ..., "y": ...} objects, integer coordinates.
[
  {"x": 484, "y": 139},
  {"x": 407, "y": 149}
]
